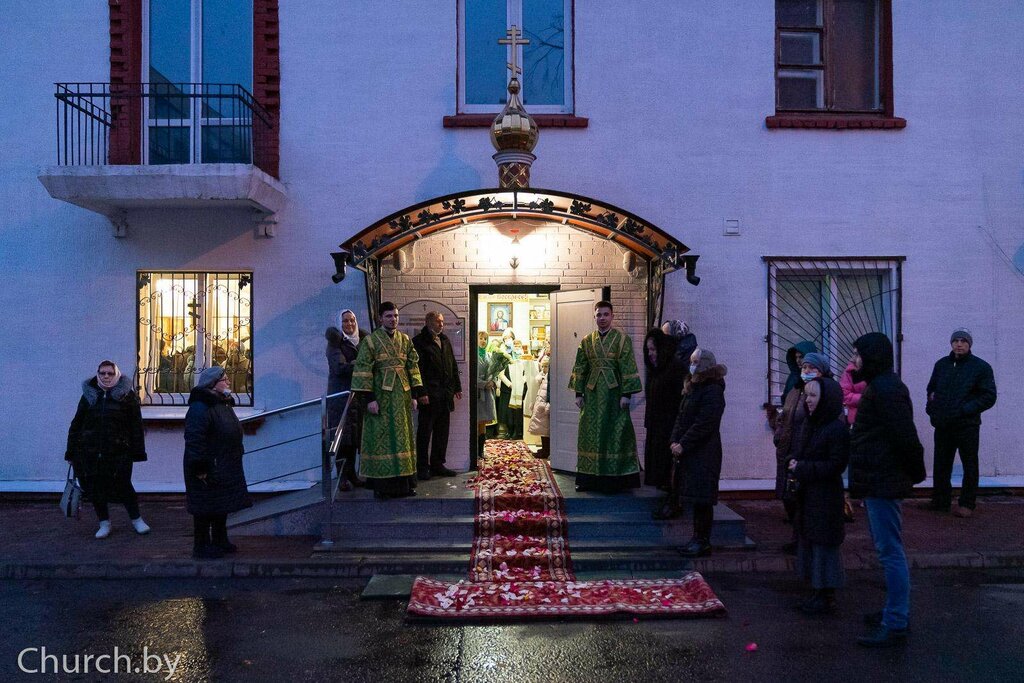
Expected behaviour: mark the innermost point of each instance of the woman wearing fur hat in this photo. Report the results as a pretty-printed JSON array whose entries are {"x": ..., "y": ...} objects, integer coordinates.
[
  {"x": 342, "y": 349},
  {"x": 696, "y": 445},
  {"x": 214, "y": 478},
  {"x": 104, "y": 440}
]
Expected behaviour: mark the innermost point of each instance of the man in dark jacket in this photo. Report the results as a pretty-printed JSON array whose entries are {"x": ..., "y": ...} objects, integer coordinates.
[
  {"x": 960, "y": 390},
  {"x": 442, "y": 386},
  {"x": 886, "y": 460}
]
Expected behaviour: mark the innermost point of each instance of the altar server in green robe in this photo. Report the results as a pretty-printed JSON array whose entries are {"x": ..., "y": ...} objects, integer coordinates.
[
  {"x": 604, "y": 379},
  {"x": 387, "y": 376}
]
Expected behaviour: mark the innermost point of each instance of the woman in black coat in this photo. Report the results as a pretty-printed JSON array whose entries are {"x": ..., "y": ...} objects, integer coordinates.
[
  {"x": 342, "y": 349},
  {"x": 104, "y": 440},
  {"x": 697, "y": 446},
  {"x": 818, "y": 469},
  {"x": 214, "y": 478},
  {"x": 663, "y": 389}
]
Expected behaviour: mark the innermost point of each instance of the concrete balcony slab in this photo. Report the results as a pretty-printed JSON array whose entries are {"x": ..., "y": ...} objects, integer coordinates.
[{"x": 115, "y": 191}]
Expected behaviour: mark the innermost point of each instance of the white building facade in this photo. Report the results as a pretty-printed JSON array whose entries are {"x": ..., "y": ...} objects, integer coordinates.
[{"x": 836, "y": 170}]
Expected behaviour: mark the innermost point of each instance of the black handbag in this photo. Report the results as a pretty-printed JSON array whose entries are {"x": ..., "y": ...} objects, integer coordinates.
[
  {"x": 71, "y": 499},
  {"x": 791, "y": 487}
]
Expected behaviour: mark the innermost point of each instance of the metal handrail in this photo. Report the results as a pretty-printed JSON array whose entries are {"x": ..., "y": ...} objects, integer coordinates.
[
  {"x": 329, "y": 447},
  {"x": 294, "y": 406}
]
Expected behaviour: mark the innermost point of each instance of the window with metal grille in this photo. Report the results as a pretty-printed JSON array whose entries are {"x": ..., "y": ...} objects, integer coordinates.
[
  {"x": 830, "y": 302},
  {"x": 187, "y": 322},
  {"x": 833, "y": 56}
]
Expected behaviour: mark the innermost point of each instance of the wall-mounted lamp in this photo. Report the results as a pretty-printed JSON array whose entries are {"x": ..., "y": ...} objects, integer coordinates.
[{"x": 513, "y": 250}]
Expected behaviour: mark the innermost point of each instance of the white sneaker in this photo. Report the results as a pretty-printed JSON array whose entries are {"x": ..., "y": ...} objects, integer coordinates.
[
  {"x": 104, "y": 530},
  {"x": 140, "y": 526}
]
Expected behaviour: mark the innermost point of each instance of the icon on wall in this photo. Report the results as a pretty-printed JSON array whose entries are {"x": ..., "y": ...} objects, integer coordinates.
[{"x": 499, "y": 317}]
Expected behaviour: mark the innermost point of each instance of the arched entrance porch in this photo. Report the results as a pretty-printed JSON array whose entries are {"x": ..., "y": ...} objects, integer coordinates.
[{"x": 449, "y": 248}]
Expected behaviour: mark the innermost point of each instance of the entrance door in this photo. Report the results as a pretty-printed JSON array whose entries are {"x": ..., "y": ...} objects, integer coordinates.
[{"x": 572, "y": 318}]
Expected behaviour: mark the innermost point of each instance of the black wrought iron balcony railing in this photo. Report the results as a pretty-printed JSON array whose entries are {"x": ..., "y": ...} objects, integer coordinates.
[{"x": 161, "y": 123}]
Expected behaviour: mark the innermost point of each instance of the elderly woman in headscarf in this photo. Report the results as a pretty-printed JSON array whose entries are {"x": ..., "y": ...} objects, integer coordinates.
[
  {"x": 342, "y": 349},
  {"x": 685, "y": 340},
  {"x": 696, "y": 445},
  {"x": 104, "y": 440},
  {"x": 818, "y": 470},
  {"x": 789, "y": 429},
  {"x": 214, "y": 478}
]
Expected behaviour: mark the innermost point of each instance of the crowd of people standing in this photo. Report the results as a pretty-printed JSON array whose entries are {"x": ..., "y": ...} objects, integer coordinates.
[{"x": 862, "y": 424}]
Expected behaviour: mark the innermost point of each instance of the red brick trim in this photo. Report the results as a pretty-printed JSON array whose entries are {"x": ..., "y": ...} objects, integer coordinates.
[
  {"x": 835, "y": 121},
  {"x": 266, "y": 78},
  {"x": 125, "y": 68},
  {"x": 543, "y": 120}
]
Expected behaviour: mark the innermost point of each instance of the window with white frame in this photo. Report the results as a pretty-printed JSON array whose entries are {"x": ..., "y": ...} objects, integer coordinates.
[
  {"x": 546, "y": 61},
  {"x": 187, "y": 322},
  {"x": 198, "y": 61},
  {"x": 830, "y": 302}
]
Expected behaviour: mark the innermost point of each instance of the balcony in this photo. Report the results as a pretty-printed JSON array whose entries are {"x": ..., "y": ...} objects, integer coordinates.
[{"x": 138, "y": 146}]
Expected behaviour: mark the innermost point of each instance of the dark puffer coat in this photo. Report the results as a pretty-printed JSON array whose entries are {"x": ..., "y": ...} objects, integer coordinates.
[
  {"x": 886, "y": 456},
  {"x": 821, "y": 460},
  {"x": 963, "y": 389},
  {"x": 341, "y": 359},
  {"x": 213, "y": 446},
  {"x": 663, "y": 390},
  {"x": 105, "y": 437},
  {"x": 697, "y": 430}
]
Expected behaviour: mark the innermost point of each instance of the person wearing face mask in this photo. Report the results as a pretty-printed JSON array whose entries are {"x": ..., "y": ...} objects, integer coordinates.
[
  {"x": 105, "y": 439},
  {"x": 789, "y": 428},
  {"x": 387, "y": 374},
  {"x": 696, "y": 445},
  {"x": 818, "y": 466},
  {"x": 214, "y": 476},
  {"x": 342, "y": 347}
]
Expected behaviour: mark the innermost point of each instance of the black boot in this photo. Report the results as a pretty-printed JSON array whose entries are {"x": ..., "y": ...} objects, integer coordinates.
[
  {"x": 697, "y": 547},
  {"x": 822, "y": 602},
  {"x": 670, "y": 509}
]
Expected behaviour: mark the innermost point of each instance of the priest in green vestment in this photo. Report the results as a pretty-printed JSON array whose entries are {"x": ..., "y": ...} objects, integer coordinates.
[
  {"x": 604, "y": 378},
  {"x": 387, "y": 375}
]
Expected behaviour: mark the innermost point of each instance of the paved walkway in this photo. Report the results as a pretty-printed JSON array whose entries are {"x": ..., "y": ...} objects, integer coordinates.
[{"x": 39, "y": 543}]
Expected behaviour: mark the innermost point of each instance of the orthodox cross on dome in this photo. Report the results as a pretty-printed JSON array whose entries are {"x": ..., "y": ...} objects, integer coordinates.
[{"x": 515, "y": 39}]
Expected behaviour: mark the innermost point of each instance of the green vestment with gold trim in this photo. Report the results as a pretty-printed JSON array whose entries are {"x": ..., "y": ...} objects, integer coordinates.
[
  {"x": 387, "y": 366},
  {"x": 604, "y": 372}
]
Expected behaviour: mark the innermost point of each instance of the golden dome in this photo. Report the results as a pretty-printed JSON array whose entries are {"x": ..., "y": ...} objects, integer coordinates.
[{"x": 514, "y": 129}]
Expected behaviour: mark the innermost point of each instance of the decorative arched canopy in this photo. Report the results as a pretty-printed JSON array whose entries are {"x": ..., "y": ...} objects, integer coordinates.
[
  {"x": 445, "y": 213},
  {"x": 370, "y": 246}
]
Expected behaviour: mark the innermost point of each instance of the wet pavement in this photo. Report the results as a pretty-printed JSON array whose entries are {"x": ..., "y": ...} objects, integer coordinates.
[{"x": 966, "y": 626}]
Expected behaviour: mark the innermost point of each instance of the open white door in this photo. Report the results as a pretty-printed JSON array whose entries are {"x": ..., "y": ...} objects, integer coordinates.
[{"x": 572, "y": 318}]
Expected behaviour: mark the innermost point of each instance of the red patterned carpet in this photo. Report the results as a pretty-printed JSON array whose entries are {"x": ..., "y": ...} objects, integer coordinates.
[{"x": 520, "y": 565}]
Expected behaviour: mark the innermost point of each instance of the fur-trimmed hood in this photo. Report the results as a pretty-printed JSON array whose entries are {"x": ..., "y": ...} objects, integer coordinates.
[
  {"x": 92, "y": 391},
  {"x": 713, "y": 375}
]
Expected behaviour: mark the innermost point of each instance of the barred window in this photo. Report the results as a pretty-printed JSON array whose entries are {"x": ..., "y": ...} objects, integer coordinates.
[
  {"x": 831, "y": 302},
  {"x": 187, "y": 323}
]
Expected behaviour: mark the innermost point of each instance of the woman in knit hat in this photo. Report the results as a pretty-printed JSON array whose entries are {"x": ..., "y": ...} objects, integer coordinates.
[
  {"x": 104, "y": 440},
  {"x": 214, "y": 478},
  {"x": 696, "y": 445}
]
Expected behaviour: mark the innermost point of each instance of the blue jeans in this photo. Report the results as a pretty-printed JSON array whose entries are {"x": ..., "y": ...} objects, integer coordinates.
[{"x": 886, "y": 523}]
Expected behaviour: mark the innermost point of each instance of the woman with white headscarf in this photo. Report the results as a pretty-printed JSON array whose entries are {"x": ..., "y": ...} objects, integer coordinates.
[
  {"x": 342, "y": 348},
  {"x": 104, "y": 440}
]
